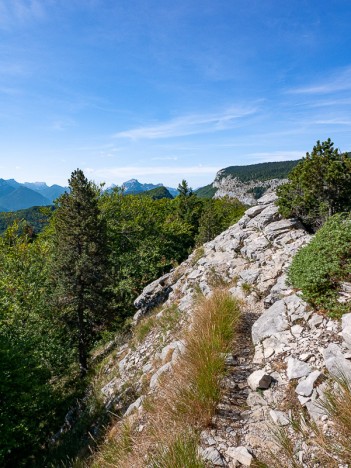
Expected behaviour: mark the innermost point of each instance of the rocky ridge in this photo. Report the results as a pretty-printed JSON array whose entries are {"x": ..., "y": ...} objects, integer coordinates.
[{"x": 285, "y": 351}]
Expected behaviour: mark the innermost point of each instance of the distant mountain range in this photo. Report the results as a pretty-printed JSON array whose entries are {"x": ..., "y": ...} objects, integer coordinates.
[
  {"x": 133, "y": 186},
  {"x": 16, "y": 196},
  {"x": 243, "y": 182}
]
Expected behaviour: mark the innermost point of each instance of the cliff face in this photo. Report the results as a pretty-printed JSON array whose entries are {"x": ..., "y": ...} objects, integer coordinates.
[
  {"x": 284, "y": 350},
  {"x": 246, "y": 192}
]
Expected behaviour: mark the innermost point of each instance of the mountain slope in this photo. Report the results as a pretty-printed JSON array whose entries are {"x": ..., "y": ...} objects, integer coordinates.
[
  {"x": 157, "y": 193},
  {"x": 21, "y": 198}
]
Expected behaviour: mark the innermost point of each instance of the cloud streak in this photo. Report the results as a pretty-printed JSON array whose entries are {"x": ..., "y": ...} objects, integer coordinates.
[
  {"x": 338, "y": 82},
  {"x": 190, "y": 125}
]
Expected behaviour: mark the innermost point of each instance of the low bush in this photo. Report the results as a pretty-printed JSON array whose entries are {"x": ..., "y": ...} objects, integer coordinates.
[{"x": 320, "y": 268}]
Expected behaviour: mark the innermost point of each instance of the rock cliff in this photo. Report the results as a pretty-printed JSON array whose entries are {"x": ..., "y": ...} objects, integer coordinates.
[{"x": 285, "y": 352}]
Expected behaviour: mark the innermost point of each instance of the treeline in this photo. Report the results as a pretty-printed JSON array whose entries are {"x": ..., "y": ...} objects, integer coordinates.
[
  {"x": 261, "y": 171},
  {"x": 63, "y": 290}
]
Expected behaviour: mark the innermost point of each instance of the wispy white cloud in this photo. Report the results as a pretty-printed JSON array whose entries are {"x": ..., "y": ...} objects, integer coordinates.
[
  {"x": 336, "y": 121},
  {"x": 339, "y": 81},
  {"x": 190, "y": 124}
]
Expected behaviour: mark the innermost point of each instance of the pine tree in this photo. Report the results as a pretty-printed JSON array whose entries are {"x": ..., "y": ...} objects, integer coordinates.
[
  {"x": 319, "y": 186},
  {"x": 81, "y": 264}
]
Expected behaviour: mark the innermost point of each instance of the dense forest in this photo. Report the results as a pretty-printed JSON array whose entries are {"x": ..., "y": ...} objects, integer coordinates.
[{"x": 70, "y": 288}]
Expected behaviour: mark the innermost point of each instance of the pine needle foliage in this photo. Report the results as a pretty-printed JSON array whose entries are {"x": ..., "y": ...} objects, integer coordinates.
[
  {"x": 80, "y": 267},
  {"x": 319, "y": 186}
]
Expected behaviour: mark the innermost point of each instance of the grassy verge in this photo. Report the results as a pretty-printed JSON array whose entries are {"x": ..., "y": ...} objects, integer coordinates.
[{"x": 186, "y": 402}]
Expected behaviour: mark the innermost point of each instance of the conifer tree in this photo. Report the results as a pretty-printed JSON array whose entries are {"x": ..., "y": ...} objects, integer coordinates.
[
  {"x": 319, "y": 186},
  {"x": 81, "y": 264}
]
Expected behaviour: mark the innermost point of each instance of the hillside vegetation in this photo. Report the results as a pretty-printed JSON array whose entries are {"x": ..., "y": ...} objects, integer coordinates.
[
  {"x": 31, "y": 220},
  {"x": 261, "y": 171}
]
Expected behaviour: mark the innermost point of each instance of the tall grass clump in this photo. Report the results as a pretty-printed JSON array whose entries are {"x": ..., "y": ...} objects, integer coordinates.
[
  {"x": 182, "y": 452},
  {"x": 186, "y": 402},
  {"x": 199, "y": 373}
]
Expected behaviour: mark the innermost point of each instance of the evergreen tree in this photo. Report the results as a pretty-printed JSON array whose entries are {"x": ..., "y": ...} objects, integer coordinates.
[
  {"x": 81, "y": 264},
  {"x": 319, "y": 186}
]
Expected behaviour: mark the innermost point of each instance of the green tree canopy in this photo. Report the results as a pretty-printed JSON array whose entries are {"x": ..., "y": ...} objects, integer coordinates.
[{"x": 319, "y": 186}]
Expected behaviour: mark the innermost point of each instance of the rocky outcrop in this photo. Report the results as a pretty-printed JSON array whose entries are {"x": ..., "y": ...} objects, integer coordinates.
[
  {"x": 286, "y": 351},
  {"x": 245, "y": 192}
]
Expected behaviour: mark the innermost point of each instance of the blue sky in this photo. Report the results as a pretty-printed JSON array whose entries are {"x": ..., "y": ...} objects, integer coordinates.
[{"x": 163, "y": 90}]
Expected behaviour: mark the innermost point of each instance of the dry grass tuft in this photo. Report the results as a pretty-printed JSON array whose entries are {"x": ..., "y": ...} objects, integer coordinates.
[{"x": 186, "y": 402}]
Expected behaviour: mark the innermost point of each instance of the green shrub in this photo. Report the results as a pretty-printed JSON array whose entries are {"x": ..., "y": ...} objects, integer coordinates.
[{"x": 319, "y": 268}]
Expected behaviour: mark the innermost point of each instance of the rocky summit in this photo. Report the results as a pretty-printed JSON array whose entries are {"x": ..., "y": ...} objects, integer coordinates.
[{"x": 284, "y": 353}]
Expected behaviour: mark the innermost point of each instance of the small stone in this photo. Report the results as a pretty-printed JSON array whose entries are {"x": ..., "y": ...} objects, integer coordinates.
[
  {"x": 279, "y": 418},
  {"x": 305, "y": 356},
  {"x": 296, "y": 330},
  {"x": 303, "y": 400},
  {"x": 211, "y": 454},
  {"x": 268, "y": 352},
  {"x": 305, "y": 387},
  {"x": 297, "y": 369},
  {"x": 255, "y": 399},
  {"x": 315, "y": 410},
  {"x": 259, "y": 379},
  {"x": 315, "y": 320},
  {"x": 265, "y": 382},
  {"x": 240, "y": 454}
]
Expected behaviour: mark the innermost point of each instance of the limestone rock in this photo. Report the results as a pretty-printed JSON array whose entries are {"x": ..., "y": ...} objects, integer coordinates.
[
  {"x": 212, "y": 455},
  {"x": 241, "y": 455},
  {"x": 154, "y": 379},
  {"x": 154, "y": 294},
  {"x": 273, "y": 320},
  {"x": 134, "y": 406},
  {"x": 279, "y": 418},
  {"x": 336, "y": 363},
  {"x": 297, "y": 369},
  {"x": 305, "y": 387},
  {"x": 259, "y": 380}
]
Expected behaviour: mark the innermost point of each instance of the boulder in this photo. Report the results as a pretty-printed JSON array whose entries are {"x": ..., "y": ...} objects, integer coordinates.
[
  {"x": 273, "y": 320},
  {"x": 154, "y": 294}
]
